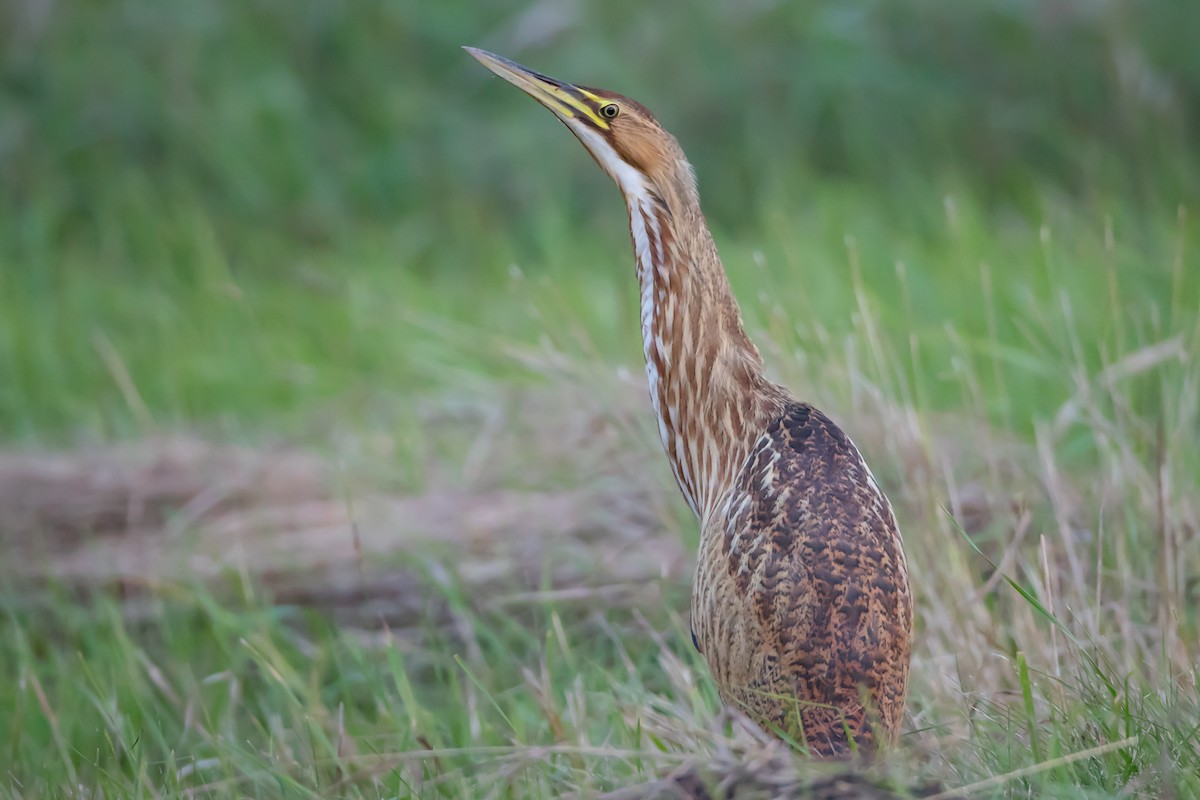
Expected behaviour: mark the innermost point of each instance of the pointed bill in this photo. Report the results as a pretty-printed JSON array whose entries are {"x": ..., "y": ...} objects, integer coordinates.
[{"x": 564, "y": 99}]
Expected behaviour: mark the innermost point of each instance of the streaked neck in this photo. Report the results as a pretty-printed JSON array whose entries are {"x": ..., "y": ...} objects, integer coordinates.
[{"x": 705, "y": 375}]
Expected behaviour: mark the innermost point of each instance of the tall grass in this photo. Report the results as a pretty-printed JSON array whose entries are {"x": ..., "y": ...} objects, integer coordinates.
[{"x": 967, "y": 231}]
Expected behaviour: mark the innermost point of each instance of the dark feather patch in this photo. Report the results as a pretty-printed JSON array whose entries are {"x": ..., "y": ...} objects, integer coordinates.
[{"x": 832, "y": 613}]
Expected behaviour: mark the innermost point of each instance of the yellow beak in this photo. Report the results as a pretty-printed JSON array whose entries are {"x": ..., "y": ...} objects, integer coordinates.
[{"x": 565, "y": 100}]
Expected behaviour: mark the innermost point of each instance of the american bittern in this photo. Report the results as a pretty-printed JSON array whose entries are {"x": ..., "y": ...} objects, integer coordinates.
[{"x": 801, "y": 603}]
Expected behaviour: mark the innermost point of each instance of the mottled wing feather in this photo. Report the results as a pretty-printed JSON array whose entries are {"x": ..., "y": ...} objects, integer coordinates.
[{"x": 814, "y": 549}]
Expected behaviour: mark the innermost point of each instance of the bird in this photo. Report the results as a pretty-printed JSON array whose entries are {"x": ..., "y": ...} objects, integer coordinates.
[{"x": 801, "y": 603}]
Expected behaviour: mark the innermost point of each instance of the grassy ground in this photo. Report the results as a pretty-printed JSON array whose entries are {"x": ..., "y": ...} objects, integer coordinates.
[{"x": 1014, "y": 349}]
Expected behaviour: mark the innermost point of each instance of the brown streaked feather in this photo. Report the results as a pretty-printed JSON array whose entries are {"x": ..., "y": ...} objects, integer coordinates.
[{"x": 801, "y": 604}]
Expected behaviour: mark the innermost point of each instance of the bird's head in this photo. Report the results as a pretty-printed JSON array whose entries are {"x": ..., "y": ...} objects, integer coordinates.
[{"x": 621, "y": 134}]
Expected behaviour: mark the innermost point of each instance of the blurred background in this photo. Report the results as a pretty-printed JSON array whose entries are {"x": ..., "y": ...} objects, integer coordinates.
[
  {"x": 256, "y": 204},
  {"x": 323, "y": 434}
]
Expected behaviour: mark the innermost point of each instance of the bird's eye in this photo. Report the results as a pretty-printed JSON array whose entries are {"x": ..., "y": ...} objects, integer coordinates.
[{"x": 610, "y": 111}]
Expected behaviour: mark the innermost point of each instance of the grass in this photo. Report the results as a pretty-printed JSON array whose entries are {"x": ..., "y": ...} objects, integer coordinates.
[
  {"x": 449, "y": 313},
  {"x": 1052, "y": 422}
]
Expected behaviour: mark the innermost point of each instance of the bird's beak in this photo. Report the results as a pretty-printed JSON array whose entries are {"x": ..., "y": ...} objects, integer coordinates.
[{"x": 565, "y": 100}]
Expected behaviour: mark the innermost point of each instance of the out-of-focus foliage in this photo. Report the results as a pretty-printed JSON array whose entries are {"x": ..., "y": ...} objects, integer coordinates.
[
  {"x": 244, "y": 209},
  {"x": 311, "y": 120}
]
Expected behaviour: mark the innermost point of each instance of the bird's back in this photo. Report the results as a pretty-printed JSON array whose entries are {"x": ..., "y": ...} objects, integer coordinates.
[{"x": 802, "y": 605}]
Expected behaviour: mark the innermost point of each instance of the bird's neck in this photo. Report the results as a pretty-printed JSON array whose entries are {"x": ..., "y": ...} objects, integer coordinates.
[{"x": 705, "y": 376}]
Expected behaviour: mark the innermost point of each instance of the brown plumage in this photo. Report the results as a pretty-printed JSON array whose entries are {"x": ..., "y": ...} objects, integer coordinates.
[{"x": 801, "y": 604}]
